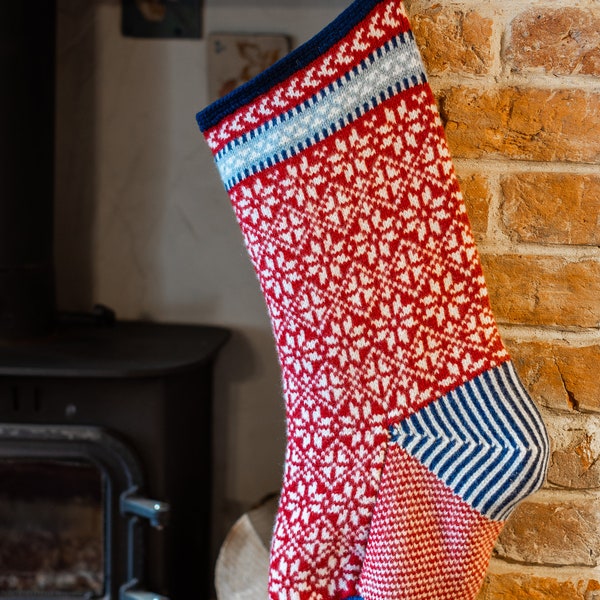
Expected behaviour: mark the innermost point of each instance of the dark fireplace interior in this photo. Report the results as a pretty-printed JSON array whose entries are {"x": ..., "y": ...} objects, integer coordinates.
[
  {"x": 105, "y": 426},
  {"x": 51, "y": 526}
]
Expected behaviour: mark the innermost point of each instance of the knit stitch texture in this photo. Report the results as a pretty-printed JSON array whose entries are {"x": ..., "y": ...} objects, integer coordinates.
[{"x": 409, "y": 436}]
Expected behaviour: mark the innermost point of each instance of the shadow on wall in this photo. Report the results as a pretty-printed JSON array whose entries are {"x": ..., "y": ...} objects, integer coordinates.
[
  {"x": 111, "y": 190},
  {"x": 246, "y": 356},
  {"x": 75, "y": 154}
]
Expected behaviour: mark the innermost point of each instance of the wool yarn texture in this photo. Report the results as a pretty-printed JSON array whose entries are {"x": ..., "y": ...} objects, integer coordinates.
[{"x": 410, "y": 438}]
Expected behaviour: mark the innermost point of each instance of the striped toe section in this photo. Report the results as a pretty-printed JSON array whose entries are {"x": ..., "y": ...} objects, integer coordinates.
[{"x": 485, "y": 440}]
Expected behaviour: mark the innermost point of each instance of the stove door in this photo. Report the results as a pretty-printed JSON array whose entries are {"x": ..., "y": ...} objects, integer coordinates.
[{"x": 72, "y": 515}]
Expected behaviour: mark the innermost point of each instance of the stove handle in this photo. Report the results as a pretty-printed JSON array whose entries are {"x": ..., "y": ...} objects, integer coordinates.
[
  {"x": 140, "y": 595},
  {"x": 157, "y": 514},
  {"x": 130, "y": 592},
  {"x": 155, "y": 511}
]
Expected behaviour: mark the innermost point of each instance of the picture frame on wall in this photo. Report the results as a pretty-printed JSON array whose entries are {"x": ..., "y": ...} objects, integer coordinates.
[
  {"x": 162, "y": 19},
  {"x": 234, "y": 58}
]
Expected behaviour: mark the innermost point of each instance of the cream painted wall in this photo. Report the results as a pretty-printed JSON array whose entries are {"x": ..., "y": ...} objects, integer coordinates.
[{"x": 144, "y": 226}]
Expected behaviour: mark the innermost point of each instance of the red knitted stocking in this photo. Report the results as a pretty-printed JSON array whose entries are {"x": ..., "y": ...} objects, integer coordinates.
[{"x": 410, "y": 438}]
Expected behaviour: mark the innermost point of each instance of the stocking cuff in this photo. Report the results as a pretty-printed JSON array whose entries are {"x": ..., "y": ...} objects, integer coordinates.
[
  {"x": 363, "y": 58},
  {"x": 296, "y": 60}
]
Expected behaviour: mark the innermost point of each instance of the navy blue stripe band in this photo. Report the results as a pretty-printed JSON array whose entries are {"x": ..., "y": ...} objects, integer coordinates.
[
  {"x": 288, "y": 65},
  {"x": 485, "y": 440}
]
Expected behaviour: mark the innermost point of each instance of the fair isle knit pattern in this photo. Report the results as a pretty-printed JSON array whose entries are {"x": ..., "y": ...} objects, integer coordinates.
[{"x": 409, "y": 435}]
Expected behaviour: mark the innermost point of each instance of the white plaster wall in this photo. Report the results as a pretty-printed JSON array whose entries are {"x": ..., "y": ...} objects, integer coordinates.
[{"x": 144, "y": 226}]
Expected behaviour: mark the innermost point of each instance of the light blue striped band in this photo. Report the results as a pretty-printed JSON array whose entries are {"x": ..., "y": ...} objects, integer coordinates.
[
  {"x": 485, "y": 440},
  {"x": 393, "y": 68}
]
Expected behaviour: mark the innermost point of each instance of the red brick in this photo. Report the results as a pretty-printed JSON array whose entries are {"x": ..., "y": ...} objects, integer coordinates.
[
  {"x": 562, "y": 533},
  {"x": 559, "y": 41},
  {"x": 477, "y": 194},
  {"x": 557, "y": 376},
  {"x": 522, "y": 123},
  {"x": 453, "y": 40},
  {"x": 575, "y": 457},
  {"x": 518, "y": 586},
  {"x": 552, "y": 208},
  {"x": 543, "y": 290}
]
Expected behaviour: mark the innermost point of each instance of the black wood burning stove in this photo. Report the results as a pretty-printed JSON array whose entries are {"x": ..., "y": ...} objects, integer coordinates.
[
  {"x": 105, "y": 427},
  {"x": 119, "y": 416}
]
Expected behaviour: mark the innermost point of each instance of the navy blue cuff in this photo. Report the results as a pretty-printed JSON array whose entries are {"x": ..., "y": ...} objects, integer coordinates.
[{"x": 287, "y": 66}]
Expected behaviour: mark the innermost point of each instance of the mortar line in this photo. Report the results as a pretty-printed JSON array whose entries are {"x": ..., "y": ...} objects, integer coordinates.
[
  {"x": 579, "y": 338},
  {"x": 504, "y": 165},
  {"x": 515, "y": 6},
  {"x": 489, "y": 82},
  {"x": 570, "y": 252},
  {"x": 564, "y": 573},
  {"x": 496, "y": 232},
  {"x": 549, "y": 495}
]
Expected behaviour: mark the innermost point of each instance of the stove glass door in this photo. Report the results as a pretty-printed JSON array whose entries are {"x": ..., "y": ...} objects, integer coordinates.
[{"x": 52, "y": 538}]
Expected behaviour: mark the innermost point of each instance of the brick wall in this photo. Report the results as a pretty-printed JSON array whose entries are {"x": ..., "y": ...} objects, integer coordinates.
[{"x": 518, "y": 85}]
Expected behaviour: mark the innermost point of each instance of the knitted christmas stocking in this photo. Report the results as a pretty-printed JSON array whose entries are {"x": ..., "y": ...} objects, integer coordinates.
[{"x": 410, "y": 437}]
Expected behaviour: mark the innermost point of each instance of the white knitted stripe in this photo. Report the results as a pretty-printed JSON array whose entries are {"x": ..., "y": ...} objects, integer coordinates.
[{"x": 395, "y": 67}]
